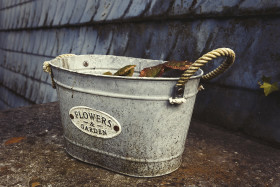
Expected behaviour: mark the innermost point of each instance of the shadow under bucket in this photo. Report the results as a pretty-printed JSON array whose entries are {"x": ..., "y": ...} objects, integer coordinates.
[{"x": 124, "y": 124}]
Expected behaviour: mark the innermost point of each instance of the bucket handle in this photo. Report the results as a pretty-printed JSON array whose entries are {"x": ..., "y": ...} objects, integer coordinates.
[
  {"x": 47, "y": 67},
  {"x": 178, "y": 92}
]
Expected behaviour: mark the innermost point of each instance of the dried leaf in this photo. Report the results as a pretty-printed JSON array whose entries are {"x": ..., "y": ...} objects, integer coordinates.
[
  {"x": 36, "y": 184},
  {"x": 14, "y": 140},
  {"x": 268, "y": 88},
  {"x": 154, "y": 71},
  {"x": 108, "y": 73},
  {"x": 158, "y": 70},
  {"x": 180, "y": 65},
  {"x": 126, "y": 71}
]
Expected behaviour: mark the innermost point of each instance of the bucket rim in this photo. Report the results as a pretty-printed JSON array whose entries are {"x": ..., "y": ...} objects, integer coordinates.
[{"x": 52, "y": 63}]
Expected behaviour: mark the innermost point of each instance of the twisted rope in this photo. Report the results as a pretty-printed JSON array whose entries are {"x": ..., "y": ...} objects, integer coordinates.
[
  {"x": 65, "y": 55},
  {"x": 206, "y": 58},
  {"x": 47, "y": 67}
]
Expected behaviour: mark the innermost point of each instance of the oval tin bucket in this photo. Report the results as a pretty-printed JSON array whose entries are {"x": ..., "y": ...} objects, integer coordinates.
[{"x": 124, "y": 124}]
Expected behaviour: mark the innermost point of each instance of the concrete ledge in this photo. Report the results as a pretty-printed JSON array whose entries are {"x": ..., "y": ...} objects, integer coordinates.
[{"x": 212, "y": 156}]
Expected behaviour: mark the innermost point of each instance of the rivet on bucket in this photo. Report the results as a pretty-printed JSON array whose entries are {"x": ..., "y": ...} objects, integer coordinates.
[{"x": 85, "y": 63}]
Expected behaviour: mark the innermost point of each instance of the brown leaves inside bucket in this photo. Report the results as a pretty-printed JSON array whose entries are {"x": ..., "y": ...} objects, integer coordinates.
[
  {"x": 153, "y": 71},
  {"x": 124, "y": 71},
  {"x": 159, "y": 70}
]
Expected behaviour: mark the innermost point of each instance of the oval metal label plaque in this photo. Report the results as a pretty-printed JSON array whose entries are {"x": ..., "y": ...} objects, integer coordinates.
[{"x": 94, "y": 122}]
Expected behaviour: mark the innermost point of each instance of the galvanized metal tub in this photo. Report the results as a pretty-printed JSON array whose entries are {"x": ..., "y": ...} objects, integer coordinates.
[{"x": 124, "y": 124}]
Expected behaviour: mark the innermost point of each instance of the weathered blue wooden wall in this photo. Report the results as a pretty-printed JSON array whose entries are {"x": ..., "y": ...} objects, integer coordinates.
[{"x": 32, "y": 31}]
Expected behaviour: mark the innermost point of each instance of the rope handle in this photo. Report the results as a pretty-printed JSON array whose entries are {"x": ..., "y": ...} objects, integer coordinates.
[
  {"x": 206, "y": 58},
  {"x": 47, "y": 67},
  {"x": 230, "y": 57}
]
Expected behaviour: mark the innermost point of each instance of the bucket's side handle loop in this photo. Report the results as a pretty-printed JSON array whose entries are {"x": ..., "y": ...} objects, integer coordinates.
[
  {"x": 180, "y": 85},
  {"x": 47, "y": 67}
]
